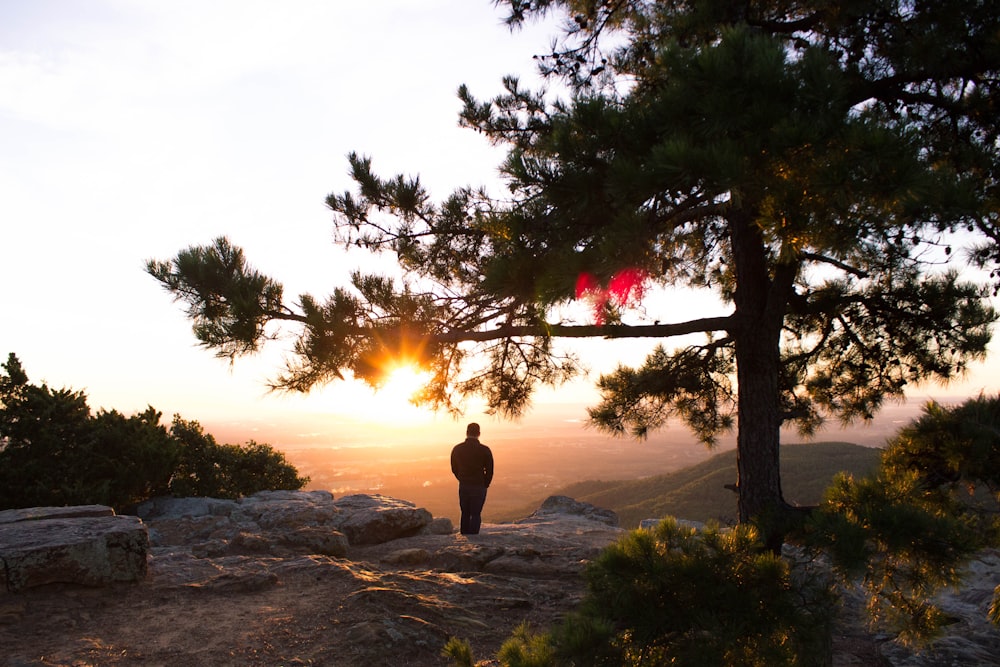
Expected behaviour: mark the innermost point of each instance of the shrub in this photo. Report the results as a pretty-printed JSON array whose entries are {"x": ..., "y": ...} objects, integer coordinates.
[
  {"x": 206, "y": 468},
  {"x": 459, "y": 651},
  {"x": 53, "y": 451},
  {"x": 525, "y": 648},
  {"x": 905, "y": 531},
  {"x": 680, "y": 596}
]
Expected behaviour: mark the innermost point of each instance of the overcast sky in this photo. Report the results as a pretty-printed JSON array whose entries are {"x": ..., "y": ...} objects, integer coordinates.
[{"x": 130, "y": 129}]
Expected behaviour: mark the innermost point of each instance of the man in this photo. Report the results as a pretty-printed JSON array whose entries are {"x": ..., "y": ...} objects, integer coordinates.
[{"x": 472, "y": 464}]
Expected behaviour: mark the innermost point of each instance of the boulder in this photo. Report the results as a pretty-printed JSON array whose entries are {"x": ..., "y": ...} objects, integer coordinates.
[
  {"x": 282, "y": 523},
  {"x": 374, "y": 519},
  {"x": 88, "y": 545},
  {"x": 281, "y": 510},
  {"x": 440, "y": 525},
  {"x": 177, "y": 508},
  {"x": 316, "y": 540},
  {"x": 564, "y": 507},
  {"x": 268, "y": 523}
]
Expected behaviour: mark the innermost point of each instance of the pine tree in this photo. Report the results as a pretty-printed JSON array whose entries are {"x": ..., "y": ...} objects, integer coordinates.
[{"x": 812, "y": 165}]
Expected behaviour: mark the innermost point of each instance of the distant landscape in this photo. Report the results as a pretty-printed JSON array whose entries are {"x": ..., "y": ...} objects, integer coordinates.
[
  {"x": 552, "y": 452},
  {"x": 698, "y": 492}
]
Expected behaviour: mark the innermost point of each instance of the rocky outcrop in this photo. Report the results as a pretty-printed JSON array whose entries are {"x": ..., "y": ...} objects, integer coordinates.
[
  {"x": 969, "y": 638},
  {"x": 553, "y": 548},
  {"x": 199, "y": 539},
  {"x": 260, "y": 581},
  {"x": 90, "y": 545},
  {"x": 282, "y": 523},
  {"x": 87, "y": 545},
  {"x": 564, "y": 508}
]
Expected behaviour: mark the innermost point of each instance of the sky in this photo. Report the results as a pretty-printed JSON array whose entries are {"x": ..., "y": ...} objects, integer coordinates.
[{"x": 131, "y": 129}]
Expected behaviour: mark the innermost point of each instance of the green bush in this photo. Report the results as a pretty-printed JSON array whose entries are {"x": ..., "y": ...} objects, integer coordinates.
[
  {"x": 206, "y": 468},
  {"x": 525, "y": 648},
  {"x": 459, "y": 651},
  {"x": 905, "y": 531},
  {"x": 53, "y": 451},
  {"x": 680, "y": 596}
]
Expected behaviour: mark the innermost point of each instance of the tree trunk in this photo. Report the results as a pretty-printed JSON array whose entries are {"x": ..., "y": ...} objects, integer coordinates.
[
  {"x": 757, "y": 449},
  {"x": 757, "y": 338}
]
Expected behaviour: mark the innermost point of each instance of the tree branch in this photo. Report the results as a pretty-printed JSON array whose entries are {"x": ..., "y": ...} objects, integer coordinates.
[
  {"x": 835, "y": 262},
  {"x": 589, "y": 331}
]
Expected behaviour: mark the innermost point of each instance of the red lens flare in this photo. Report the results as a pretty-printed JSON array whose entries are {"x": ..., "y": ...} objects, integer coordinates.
[{"x": 625, "y": 289}]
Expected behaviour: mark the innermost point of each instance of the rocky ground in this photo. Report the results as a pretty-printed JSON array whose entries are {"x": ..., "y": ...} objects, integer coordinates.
[
  {"x": 390, "y": 604},
  {"x": 394, "y": 603}
]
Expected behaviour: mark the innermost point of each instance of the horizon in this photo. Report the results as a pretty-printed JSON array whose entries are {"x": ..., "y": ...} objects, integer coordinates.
[{"x": 543, "y": 453}]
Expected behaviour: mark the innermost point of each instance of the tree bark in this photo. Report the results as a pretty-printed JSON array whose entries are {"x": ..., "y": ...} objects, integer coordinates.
[
  {"x": 756, "y": 336},
  {"x": 757, "y": 451}
]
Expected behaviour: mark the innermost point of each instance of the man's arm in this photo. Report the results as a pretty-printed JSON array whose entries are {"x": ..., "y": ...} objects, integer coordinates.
[{"x": 488, "y": 468}]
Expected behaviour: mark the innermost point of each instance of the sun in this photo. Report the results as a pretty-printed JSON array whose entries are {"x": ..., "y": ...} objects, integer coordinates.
[
  {"x": 401, "y": 383},
  {"x": 390, "y": 404}
]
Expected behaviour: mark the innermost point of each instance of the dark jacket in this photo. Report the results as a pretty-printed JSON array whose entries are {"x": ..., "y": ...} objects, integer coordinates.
[{"x": 472, "y": 463}]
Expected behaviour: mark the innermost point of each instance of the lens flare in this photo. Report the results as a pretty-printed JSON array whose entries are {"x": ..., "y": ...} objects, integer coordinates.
[{"x": 625, "y": 290}]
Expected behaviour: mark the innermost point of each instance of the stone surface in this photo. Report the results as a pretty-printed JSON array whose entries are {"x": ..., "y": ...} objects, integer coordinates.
[
  {"x": 89, "y": 546},
  {"x": 374, "y": 519},
  {"x": 283, "y": 522},
  {"x": 269, "y": 523},
  {"x": 970, "y": 639},
  {"x": 564, "y": 507},
  {"x": 71, "y": 512},
  {"x": 439, "y": 526}
]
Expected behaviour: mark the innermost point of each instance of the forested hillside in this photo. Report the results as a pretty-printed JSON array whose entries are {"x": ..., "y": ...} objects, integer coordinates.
[{"x": 699, "y": 492}]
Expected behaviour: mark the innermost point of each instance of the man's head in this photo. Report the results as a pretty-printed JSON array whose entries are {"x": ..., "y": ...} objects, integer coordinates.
[{"x": 472, "y": 430}]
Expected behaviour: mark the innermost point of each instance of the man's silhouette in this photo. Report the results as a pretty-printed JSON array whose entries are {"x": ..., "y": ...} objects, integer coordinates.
[{"x": 472, "y": 463}]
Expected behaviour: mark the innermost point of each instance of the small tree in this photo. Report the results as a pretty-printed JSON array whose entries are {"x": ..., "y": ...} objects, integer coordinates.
[
  {"x": 135, "y": 456},
  {"x": 907, "y": 530}
]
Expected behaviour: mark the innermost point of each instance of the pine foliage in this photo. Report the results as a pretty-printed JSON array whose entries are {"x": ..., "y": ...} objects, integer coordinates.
[{"x": 906, "y": 531}]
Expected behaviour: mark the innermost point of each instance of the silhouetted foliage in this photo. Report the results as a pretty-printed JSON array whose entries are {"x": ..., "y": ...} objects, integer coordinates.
[
  {"x": 675, "y": 595},
  {"x": 206, "y": 468},
  {"x": 53, "y": 451}
]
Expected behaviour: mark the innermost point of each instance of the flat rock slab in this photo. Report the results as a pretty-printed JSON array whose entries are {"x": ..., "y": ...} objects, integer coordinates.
[
  {"x": 71, "y": 512},
  {"x": 88, "y": 550}
]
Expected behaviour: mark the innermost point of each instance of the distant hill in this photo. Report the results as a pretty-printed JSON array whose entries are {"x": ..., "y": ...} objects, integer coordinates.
[{"x": 698, "y": 493}]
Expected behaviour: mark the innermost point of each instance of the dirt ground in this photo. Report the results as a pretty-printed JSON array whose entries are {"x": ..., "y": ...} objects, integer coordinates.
[{"x": 304, "y": 611}]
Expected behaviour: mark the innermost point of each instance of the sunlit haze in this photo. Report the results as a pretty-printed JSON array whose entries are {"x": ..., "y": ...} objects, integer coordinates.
[{"x": 132, "y": 129}]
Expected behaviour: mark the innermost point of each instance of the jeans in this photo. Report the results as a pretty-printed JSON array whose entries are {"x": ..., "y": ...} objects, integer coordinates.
[{"x": 471, "y": 500}]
